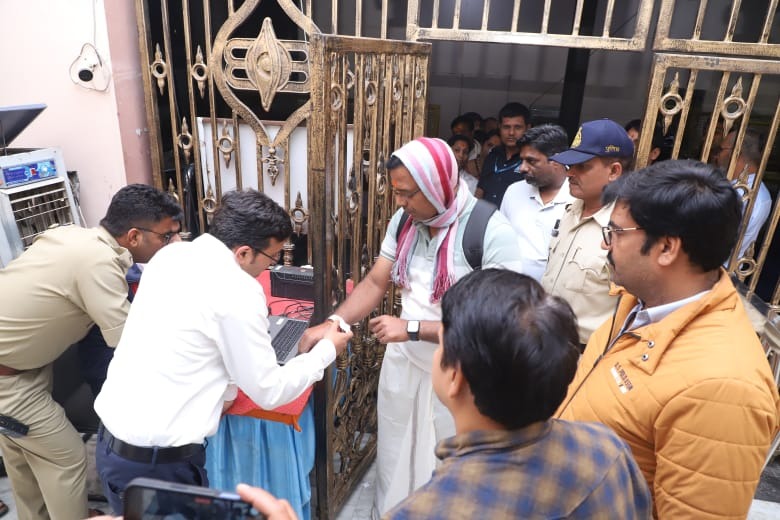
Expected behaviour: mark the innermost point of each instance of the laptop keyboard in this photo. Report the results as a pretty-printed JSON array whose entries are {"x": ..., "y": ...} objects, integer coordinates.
[{"x": 287, "y": 338}]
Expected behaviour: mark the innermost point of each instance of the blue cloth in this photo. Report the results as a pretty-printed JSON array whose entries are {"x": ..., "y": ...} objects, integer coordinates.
[{"x": 266, "y": 454}]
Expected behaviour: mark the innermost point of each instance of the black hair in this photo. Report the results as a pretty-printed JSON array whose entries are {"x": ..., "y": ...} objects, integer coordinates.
[
  {"x": 474, "y": 116},
  {"x": 458, "y": 137},
  {"x": 634, "y": 124},
  {"x": 139, "y": 205},
  {"x": 686, "y": 199},
  {"x": 492, "y": 133},
  {"x": 752, "y": 145},
  {"x": 516, "y": 345},
  {"x": 514, "y": 110},
  {"x": 548, "y": 139},
  {"x": 463, "y": 120},
  {"x": 659, "y": 140},
  {"x": 249, "y": 218},
  {"x": 393, "y": 162}
]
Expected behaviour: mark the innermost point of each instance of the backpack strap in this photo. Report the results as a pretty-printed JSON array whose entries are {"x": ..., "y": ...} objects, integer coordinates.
[
  {"x": 474, "y": 234},
  {"x": 404, "y": 218}
]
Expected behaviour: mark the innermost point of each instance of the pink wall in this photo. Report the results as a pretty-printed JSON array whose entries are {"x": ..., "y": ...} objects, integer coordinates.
[
  {"x": 128, "y": 83},
  {"x": 101, "y": 134}
]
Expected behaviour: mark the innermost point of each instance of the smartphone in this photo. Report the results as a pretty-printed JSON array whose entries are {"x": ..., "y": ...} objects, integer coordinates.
[
  {"x": 11, "y": 427},
  {"x": 150, "y": 499}
]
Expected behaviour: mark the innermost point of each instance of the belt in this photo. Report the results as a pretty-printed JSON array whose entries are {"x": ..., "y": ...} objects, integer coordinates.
[
  {"x": 147, "y": 455},
  {"x": 8, "y": 371}
]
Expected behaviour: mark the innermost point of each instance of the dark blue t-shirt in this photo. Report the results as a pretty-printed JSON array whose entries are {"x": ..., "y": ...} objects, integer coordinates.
[{"x": 498, "y": 173}]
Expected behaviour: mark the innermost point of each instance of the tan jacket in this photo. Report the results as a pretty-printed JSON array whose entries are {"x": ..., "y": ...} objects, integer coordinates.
[
  {"x": 577, "y": 267},
  {"x": 694, "y": 398}
]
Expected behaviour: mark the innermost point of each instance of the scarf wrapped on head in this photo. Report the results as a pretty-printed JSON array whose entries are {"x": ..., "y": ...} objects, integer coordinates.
[{"x": 435, "y": 170}]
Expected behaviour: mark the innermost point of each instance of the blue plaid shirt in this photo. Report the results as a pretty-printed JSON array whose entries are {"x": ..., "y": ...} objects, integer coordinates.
[{"x": 554, "y": 469}]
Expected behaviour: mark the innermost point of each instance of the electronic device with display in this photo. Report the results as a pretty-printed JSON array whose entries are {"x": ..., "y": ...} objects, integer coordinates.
[{"x": 35, "y": 192}]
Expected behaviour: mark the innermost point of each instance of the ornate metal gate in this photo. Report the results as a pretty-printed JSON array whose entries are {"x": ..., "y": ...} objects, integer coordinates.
[
  {"x": 386, "y": 84},
  {"x": 347, "y": 103}
]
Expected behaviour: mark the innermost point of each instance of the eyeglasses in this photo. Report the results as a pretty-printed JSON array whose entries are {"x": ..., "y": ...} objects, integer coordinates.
[
  {"x": 606, "y": 232},
  {"x": 274, "y": 260},
  {"x": 166, "y": 237},
  {"x": 406, "y": 195}
]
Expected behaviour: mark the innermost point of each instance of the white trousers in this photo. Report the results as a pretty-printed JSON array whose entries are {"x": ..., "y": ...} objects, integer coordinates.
[{"x": 412, "y": 421}]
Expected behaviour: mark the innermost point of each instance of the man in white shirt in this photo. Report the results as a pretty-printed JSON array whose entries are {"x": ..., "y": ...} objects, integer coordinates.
[
  {"x": 536, "y": 204},
  {"x": 747, "y": 164},
  {"x": 197, "y": 328}
]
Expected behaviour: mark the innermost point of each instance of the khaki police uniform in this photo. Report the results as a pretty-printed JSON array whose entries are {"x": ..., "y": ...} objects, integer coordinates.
[
  {"x": 67, "y": 280},
  {"x": 577, "y": 267}
]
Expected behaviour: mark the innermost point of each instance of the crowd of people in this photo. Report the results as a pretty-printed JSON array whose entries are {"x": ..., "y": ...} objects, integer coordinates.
[{"x": 589, "y": 357}]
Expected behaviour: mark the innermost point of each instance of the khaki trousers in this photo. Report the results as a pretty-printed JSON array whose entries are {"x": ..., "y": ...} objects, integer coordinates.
[{"x": 47, "y": 467}]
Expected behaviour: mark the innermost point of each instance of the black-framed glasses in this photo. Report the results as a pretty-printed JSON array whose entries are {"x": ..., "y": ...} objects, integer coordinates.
[
  {"x": 166, "y": 237},
  {"x": 274, "y": 260},
  {"x": 406, "y": 195},
  {"x": 606, "y": 232}
]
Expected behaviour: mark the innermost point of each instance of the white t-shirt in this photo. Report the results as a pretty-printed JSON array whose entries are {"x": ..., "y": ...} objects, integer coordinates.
[
  {"x": 499, "y": 249},
  {"x": 533, "y": 221},
  {"x": 470, "y": 180}
]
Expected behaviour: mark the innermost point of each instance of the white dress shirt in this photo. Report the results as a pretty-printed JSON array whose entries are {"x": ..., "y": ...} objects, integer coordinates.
[
  {"x": 197, "y": 324},
  {"x": 533, "y": 221},
  {"x": 761, "y": 210}
]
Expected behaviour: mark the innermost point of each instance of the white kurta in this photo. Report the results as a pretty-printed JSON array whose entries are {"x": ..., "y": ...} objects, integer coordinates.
[{"x": 412, "y": 420}]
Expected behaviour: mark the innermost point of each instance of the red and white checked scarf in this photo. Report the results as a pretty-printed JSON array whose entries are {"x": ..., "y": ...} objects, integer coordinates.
[{"x": 435, "y": 170}]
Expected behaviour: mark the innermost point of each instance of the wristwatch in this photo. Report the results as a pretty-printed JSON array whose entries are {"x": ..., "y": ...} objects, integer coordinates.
[{"x": 413, "y": 329}]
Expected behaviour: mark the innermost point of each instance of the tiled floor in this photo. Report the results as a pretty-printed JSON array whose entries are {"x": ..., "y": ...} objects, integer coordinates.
[{"x": 358, "y": 507}]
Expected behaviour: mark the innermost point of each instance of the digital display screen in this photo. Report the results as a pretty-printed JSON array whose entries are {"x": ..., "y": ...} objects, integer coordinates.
[{"x": 30, "y": 172}]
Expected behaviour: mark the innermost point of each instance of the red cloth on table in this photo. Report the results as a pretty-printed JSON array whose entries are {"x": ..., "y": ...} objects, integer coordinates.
[{"x": 288, "y": 413}]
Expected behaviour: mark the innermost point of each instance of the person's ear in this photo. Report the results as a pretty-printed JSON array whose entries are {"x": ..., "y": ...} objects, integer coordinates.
[
  {"x": 243, "y": 254},
  {"x": 130, "y": 239},
  {"x": 669, "y": 249},
  {"x": 615, "y": 170},
  {"x": 457, "y": 383}
]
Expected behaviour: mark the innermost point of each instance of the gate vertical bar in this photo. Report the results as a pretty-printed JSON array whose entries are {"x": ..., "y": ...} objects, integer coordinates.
[{"x": 318, "y": 189}]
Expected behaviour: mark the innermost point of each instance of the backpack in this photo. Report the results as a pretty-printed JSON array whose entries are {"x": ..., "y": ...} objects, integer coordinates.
[{"x": 473, "y": 235}]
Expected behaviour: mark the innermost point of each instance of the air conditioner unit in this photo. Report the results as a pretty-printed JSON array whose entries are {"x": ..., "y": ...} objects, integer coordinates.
[{"x": 35, "y": 191}]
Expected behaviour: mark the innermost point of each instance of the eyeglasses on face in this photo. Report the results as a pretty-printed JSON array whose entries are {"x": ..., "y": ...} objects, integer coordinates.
[
  {"x": 274, "y": 259},
  {"x": 166, "y": 237},
  {"x": 606, "y": 232},
  {"x": 406, "y": 195}
]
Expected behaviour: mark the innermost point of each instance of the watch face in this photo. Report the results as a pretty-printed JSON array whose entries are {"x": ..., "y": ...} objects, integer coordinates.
[{"x": 413, "y": 326}]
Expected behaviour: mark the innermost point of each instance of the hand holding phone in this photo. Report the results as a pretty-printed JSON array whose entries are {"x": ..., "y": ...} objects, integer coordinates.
[
  {"x": 150, "y": 499},
  {"x": 266, "y": 503}
]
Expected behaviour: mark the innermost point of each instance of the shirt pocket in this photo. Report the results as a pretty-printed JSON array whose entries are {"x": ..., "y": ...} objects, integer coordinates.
[{"x": 587, "y": 273}]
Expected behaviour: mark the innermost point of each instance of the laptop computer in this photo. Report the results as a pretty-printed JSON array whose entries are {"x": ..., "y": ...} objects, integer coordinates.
[{"x": 285, "y": 335}]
